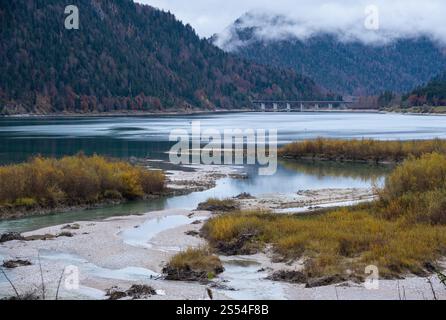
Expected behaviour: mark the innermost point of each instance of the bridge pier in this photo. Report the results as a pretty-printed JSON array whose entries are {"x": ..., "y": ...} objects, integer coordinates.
[{"x": 290, "y": 105}]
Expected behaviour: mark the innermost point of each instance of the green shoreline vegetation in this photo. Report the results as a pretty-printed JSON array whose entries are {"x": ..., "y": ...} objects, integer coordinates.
[
  {"x": 364, "y": 150},
  {"x": 403, "y": 232},
  {"x": 48, "y": 183}
]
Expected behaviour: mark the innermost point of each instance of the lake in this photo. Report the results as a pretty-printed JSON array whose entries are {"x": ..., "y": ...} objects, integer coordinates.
[{"x": 147, "y": 137}]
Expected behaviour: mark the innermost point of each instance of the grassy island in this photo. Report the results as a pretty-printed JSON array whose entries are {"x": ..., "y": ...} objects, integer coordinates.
[
  {"x": 364, "y": 150},
  {"x": 45, "y": 183},
  {"x": 403, "y": 232}
]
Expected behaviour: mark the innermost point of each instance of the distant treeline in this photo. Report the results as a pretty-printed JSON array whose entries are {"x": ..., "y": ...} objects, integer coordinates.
[
  {"x": 432, "y": 94},
  {"x": 367, "y": 150}
]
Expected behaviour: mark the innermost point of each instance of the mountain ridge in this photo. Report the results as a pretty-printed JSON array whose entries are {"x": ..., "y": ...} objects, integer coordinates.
[
  {"x": 125, "y": 57},
  {"x": 348, "y": 65}
]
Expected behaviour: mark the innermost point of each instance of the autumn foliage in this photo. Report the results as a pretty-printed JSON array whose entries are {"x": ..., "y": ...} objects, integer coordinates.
[
  {"x": 73, "y": 180},
  {"x": 368, "y": 150},
  {"x": 403, "y": 232}
]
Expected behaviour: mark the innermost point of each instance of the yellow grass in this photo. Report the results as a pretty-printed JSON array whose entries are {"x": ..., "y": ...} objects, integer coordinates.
[
  {"x": 362, "y": 150},
  {"x": 402, "y": 232},
  {"x": 79, "y": 179},
  {"x": 196, "y": 259}
]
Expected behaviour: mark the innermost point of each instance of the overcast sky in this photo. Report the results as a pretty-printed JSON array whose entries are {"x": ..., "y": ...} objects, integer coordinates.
[{"x": 397, "y": 18}]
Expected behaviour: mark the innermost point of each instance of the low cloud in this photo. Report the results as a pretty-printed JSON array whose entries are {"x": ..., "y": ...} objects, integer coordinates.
[{"x": 305, "y": 18}]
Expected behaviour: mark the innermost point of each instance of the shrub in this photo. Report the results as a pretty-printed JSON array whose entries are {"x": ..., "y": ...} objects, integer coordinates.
[
  {"x": 362, "y": 150},
  {"x": 194, "y": 264},
  {"x": 416, "y": 191},
  {"x": 75, "y": 180},
  {"x": 25, "y": 202},
  {"x": 196, "y": 259}
]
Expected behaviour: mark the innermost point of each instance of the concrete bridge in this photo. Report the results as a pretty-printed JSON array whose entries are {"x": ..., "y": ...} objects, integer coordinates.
[{"x": 299, "y": 105}]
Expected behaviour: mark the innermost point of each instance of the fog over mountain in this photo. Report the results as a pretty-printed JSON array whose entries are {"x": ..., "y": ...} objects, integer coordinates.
[
  {"x": 304, "y": 18},
  {"x": 346, "y": 61}
]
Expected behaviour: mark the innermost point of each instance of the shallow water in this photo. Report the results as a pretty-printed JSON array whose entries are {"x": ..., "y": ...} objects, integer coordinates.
[
  {"x": 289, "y": 179},
  {"x": 250, "y": 284},
  {"x": 141, "y": 137},
  {"x": 88, "y": 268},
  {"x": 141, "y": 236}
]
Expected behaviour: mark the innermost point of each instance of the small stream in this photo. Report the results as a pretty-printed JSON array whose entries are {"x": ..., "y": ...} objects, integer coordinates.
[
  {"x": 241, "y": 274},
  {"x": 244, "y": 274},
  {"x": 141, "y": 236}
]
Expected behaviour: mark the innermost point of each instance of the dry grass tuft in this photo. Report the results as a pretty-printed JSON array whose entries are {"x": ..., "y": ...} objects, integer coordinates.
[{"x": 197, "y": 259}]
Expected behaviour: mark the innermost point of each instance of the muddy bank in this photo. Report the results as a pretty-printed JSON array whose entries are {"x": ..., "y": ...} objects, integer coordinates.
[{"x": 126, "y": 257}]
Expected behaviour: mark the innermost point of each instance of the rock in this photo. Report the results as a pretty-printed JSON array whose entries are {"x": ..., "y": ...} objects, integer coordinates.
[
  {"x": 184, "y": 274},
  {"x": 325, "y": 281},
  {"x": 220, "y": 286},
  {"x": 135, "y": 292},
  {"x": 218, "y": 206},
  {"x": 244, "y": 196},
  {"x": 43, "y": 237},
  {"x": 192, "y": 233},
  {"x": 140, "y": 291},
  {"x": 115, "y": 294},
  {"x": 75, "y": 226},
  {"x": 197, "y": 222},
  {"x": 11, "y": 236},
  {"x": 289, "y": 276},
  {"x": 187, "y": 274},
  {"x": 11, "y": 264},
  {"x": 65, "y": 234},
  {"x": 301, "y": 278}
]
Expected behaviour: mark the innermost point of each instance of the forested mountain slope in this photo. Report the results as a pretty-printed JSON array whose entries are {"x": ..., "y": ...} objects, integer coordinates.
[{"x": 124, "y": 57}]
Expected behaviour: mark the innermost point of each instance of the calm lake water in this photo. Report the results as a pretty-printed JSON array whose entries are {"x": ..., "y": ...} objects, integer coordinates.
[{"x": 147, "y": 137}]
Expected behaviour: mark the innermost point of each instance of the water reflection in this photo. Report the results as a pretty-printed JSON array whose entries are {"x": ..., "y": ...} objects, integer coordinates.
[
  {"x": 125, "y": 137},
  {"x": 290, "y": 178},
  {"x": 365, "y": 172}
]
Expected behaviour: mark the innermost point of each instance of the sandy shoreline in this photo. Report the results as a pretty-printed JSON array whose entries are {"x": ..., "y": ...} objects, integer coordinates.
[
  {"x": 134, "y": 249},
  {"x": 126, "y": 250}
]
